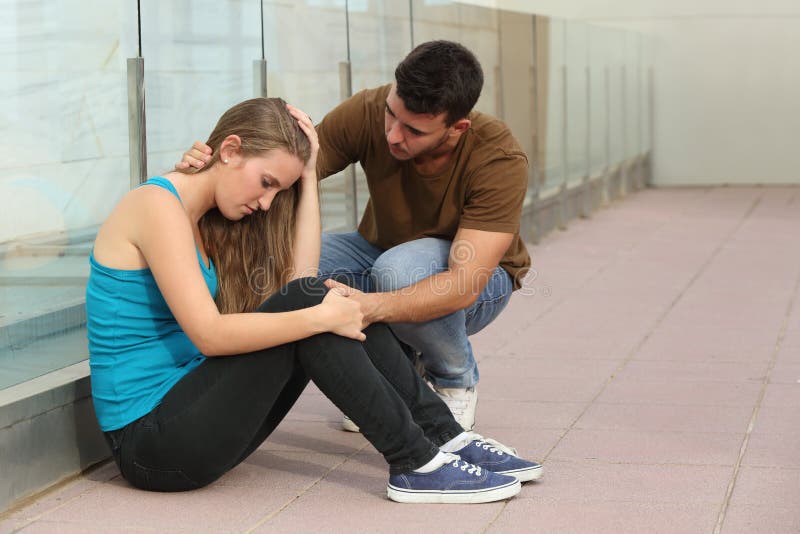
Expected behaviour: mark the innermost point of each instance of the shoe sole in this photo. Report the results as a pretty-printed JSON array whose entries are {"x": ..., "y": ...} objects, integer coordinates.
[
  {"x": 524, "y": 475},
  {"x": 349, "y": 426},
  {"x": 454, "y": 497}
]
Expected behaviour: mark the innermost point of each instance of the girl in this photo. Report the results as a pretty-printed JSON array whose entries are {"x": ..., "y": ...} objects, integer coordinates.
[{"x": 191, "y": 371}]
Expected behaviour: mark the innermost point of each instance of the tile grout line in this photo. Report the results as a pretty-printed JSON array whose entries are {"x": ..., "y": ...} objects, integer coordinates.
[
  {"x": 658, "y": 321},
  {"x": 756, "y": 410},
  {"x": 303, "y": 491}
]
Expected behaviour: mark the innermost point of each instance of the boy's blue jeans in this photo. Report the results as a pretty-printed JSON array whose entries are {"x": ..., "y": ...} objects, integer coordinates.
[{"x": 444, "y": 343}]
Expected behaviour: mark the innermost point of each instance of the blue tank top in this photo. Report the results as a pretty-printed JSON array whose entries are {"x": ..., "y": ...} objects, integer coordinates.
[{"x": 137, "y": 350}]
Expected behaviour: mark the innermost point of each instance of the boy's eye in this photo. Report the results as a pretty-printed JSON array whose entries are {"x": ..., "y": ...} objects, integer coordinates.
[{"x": 264, "y": 183}]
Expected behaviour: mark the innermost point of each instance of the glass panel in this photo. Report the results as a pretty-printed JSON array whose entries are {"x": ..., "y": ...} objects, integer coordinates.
[
  {"x": 598, "y": 103},
  {"x": 633, "y": 100},
  {"x": 576, "y": 53},
  {"x": 65, "y": 107},
  {"x": 645, "y": 80},
  {"x": 473, "y": 26},
  {"x": 304, "y": 42},
  {"x": 380, "y": 37},
  {"x": 198, "y": 60},
  {"x": 616, "y": 94},
  {"x": 554, "y": 144}
]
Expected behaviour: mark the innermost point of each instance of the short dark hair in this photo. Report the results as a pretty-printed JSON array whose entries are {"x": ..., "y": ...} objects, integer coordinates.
[{"x": 440, "y": 76}]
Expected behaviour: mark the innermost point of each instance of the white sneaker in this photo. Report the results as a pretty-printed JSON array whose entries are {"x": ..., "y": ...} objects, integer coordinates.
[
  {"x": 462, "y": 403},
  {"x": 348, "y": 425}
]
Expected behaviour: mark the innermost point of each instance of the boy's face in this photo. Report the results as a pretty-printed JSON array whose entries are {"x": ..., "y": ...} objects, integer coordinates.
[{"x": 411, "y": 135}]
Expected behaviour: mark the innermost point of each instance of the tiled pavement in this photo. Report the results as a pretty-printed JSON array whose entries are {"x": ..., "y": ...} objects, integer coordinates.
[{"x": 652, "y": 363}]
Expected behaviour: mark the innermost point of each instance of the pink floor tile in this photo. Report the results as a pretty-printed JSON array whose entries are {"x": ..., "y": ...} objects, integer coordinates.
[
  {"x": 782, "y": 395},
  {"x": 709, "y": 344},
  {"x": 508, "y": 369},
  {"x": 773, "y": 450},
  {"x": 309, "y": 436},
  {"x": 565, "y": 517},
  {"x": 360, "y": 504},
  {"x": 313, "y": 406},
  {"x": 694, "y": 371},
  {"x": 528, "y": 415},
  {"x": 778, "y": 420},
  {"x": 657, "y": 391},
  {"x": 657, "y": 417},
  {"x": 767, "y": 486},
  {"x": 765, "y": 519},
  {"x": 281, "y": 470},
  {"x": 650, "y": 447},
  {"x": 543, "y": 389},
  {"x": 227, "y": 508},
  {"x": 63, "y": 527},
  {"x": 598, "y": 481}
]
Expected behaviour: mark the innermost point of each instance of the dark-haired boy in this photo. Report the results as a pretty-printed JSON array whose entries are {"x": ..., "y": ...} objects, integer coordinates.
[{"x": 438, "y": 252}]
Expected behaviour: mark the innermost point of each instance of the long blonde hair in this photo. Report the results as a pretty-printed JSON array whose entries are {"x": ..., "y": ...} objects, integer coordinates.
[{"x": 253, "y": 256}]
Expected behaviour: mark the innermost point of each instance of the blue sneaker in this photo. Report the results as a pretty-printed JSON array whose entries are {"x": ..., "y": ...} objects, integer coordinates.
[
  {"x": 454, "y": 482},
  {"x": 496, "y": 457}
]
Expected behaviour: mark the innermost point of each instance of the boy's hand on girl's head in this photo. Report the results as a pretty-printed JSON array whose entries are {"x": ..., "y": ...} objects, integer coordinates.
[{"x": 196, "y": 157}]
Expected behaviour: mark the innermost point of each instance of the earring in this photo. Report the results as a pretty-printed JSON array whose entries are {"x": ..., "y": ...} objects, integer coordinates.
[{"x": 225, "y": 161}]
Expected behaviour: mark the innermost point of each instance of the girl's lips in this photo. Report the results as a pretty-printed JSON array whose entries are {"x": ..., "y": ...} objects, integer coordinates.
[{"x": 248, "y": 210}]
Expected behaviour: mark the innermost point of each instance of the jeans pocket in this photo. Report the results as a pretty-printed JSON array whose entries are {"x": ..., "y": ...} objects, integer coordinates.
[{"x": 153, "y": 479}]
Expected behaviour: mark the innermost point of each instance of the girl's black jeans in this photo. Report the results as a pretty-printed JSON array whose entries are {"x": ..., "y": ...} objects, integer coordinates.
[{"x": 219, "y": 413}]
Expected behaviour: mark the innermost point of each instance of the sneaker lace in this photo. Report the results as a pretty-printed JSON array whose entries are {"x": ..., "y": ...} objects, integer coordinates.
[
  {"x": 464, "y": 466},
  {"x": 492, "y": 445}
]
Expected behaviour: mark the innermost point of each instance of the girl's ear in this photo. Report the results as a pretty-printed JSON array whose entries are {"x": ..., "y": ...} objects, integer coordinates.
[{"x": 231, "y": 147}]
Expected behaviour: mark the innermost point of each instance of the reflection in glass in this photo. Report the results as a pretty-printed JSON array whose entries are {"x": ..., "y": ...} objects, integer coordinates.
[
  {"x": 304, "y": 43},
  {"x": 576, "y": 57},
  {"x": 65, "y": 107}
]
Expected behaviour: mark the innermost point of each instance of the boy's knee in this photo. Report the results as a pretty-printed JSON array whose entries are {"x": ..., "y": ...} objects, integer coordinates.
[{"x": 409, "y": 263}]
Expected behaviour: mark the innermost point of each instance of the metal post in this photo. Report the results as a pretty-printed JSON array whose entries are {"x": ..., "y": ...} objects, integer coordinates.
[
  {"x": 535, "y": 134},
  {"x": 623, "y": 182},
  {"x": 137, "y": 142},
  {"x": 606, "y": 173},
  {"x": 586, "y": 194},
  {"x": 588, "y": 123},
  {"x": 350, "y": 192},
  {"x": 608, "y": 118},
  {"x": 260, "y": 65},
  {"x": 651, "y": 127},
  {"x": 260, "y": 78},
  {"x": 562, "y": 195}
]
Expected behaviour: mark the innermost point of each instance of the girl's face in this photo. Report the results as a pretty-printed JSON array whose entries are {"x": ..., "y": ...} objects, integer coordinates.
[{"x": 253, "y": 182}]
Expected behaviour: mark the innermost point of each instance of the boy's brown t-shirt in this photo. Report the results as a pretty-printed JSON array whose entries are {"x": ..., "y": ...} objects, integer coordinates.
[{"x": 482, "y": 188}]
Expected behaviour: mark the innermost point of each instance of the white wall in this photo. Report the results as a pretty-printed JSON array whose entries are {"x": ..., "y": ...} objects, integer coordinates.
[{"x": 726, "y": 84}]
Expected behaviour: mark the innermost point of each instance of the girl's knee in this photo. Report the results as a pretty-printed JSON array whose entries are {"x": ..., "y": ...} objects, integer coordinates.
[{"x": 296, "y": 295}]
